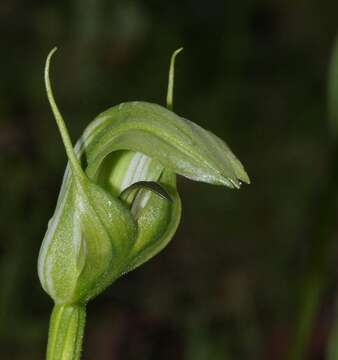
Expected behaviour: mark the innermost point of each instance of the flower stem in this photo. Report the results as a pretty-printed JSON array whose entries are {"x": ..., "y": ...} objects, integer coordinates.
[{"x": 66, "y": 332}]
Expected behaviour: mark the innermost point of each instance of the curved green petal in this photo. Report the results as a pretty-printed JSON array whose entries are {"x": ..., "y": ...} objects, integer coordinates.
[{"x": 176, "y": 143}]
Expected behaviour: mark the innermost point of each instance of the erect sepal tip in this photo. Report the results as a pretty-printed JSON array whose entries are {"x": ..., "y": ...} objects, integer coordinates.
[
  {"x": 171, "y": 79},
  {"x": 74, "y": 162}
]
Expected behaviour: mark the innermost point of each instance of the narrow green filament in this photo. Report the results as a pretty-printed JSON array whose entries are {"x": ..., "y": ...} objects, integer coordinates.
[
  {"x": 74, "y": 163},
  {"x": 170, "y": 92}
]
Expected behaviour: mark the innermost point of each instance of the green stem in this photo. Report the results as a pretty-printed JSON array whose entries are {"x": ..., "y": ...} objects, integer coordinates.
[{"x": 66, "y": 332}]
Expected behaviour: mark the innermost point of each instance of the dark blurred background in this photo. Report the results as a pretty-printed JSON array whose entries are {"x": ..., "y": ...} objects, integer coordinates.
[{"x": 235, "y": 279}]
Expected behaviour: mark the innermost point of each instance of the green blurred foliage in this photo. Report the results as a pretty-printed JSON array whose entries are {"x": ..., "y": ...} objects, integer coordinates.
[{"x": 254, "y": 72}]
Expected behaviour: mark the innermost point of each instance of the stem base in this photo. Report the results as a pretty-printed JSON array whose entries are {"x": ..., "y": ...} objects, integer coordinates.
[{"x": 66, "y": 330}]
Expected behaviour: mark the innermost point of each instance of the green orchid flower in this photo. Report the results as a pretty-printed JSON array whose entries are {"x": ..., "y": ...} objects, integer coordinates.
[{"x": 118, "y": 205}]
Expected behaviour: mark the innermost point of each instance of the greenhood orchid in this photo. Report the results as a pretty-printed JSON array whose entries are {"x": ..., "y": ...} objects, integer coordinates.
[{"x": 118, "y": 205}]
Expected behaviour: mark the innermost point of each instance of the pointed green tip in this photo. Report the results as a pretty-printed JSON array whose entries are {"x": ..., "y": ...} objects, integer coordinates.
[
  {"x": 170, "y": 91},
  {"x": 241, "y": 175},
  {"x": 47, "y": 66},
  {"x": 244, "y": 177},
  {"x": 237, "y": 183},
  {"x": 247, "y": 179},
  {"x": 52, "y": 51},
  {"x": 176, "y": 52},
  {"x": 75, "y": 165}
]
